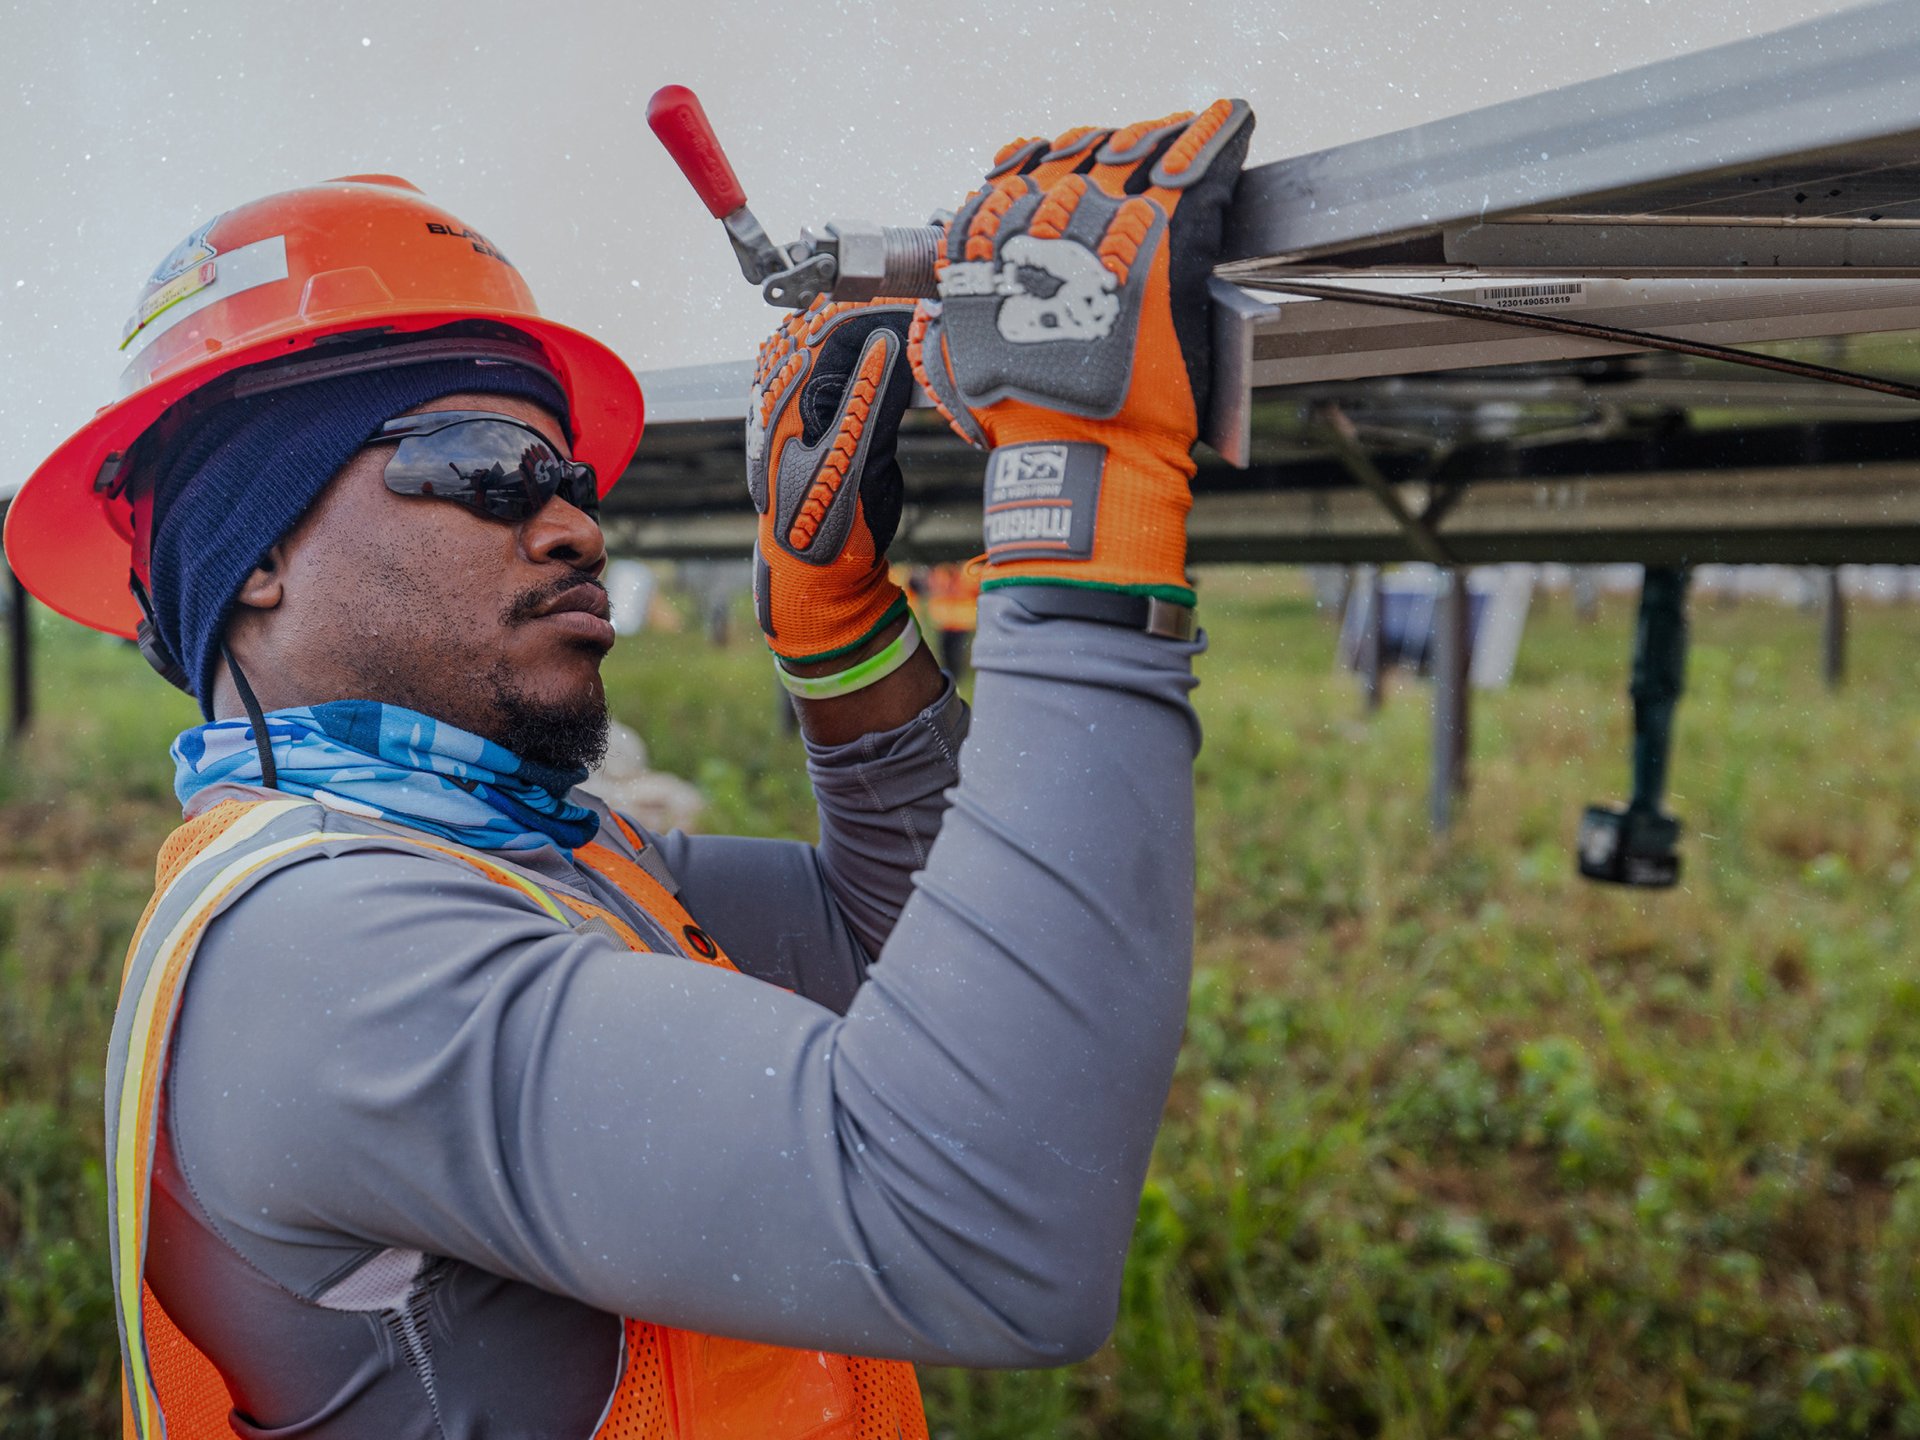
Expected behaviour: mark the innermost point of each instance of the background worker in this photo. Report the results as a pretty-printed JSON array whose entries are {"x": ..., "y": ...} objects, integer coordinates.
[
  {"x": 950, "y": 596},
  {"x": 428, "y": 1069}
]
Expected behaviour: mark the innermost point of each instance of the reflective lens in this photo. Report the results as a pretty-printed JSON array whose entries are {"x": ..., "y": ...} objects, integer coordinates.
[{"x": 492, "y": 464}]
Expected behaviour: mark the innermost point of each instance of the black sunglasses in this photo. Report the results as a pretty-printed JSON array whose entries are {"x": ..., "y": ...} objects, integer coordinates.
[{"x": 494, "y": 465}]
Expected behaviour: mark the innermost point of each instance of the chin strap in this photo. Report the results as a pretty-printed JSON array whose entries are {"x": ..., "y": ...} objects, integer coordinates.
[
  {"x": 270, "y": 777},
  {"x": 153, "y": 649}
]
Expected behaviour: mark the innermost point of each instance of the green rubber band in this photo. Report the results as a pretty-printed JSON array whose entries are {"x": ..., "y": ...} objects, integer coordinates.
[
  {"x": 875, "y": 668},
  {"x": 893, "y": 613}
]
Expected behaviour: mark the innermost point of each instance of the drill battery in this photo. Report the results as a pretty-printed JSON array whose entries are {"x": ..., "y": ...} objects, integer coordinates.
[{"x": 1630, "y": 846}]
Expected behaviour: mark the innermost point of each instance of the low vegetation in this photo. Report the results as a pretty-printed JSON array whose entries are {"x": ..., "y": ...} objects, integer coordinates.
[{"x": 1459, "y": 1145}]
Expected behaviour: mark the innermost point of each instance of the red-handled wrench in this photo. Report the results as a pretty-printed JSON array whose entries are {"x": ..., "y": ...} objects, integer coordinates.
[
  {"x": 674, "y": 114},
  {"x": 853, "y": 260}
]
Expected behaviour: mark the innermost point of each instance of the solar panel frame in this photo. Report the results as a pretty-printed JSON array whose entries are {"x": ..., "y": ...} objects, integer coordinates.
[{"x": 1792, "y": 159}]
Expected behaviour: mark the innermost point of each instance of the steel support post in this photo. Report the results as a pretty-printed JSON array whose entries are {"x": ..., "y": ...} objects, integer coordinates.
[
  {"x": 1452, "y": 712},
  {"x": 1367, "y": 581},
  {"x": 1586, "y": 593},
  {"x": 20, "y": 661},
  {"x": 1637, "y": 845},
  {"x": 1833, "y": 629}
]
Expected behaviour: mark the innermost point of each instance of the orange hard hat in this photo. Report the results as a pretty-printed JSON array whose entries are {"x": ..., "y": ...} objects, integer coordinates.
[{"x": 362, "y": 256}]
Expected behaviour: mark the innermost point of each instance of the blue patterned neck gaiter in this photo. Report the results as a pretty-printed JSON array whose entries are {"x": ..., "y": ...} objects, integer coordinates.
[{"x": 396, "y": 765}]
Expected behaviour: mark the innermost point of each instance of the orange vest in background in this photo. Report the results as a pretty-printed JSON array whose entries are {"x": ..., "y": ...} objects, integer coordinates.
[
  {"x": 675, "y": 1384},
  {"x": 953, "y": 597}
]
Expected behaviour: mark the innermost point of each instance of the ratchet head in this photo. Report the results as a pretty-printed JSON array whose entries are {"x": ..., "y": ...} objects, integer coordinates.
[{"x": 850, "y": 261}]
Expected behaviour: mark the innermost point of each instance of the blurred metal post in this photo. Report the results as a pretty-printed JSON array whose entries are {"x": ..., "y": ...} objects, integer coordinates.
[
  {"x": 1367, "y": 582},
  {"x": 1833, "y": 628},
  {"x": 1451, "y": 697},
  {"x": 1586, "y": 593},
  {"x": 20, "y": 661}
]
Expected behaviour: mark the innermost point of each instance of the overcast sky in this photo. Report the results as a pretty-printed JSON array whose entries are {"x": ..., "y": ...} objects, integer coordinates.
[{"x": 125, "y": 123}]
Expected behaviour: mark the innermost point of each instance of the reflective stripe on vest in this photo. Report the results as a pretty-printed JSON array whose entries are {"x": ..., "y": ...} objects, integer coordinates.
[{"x": 673, "y": 1384}]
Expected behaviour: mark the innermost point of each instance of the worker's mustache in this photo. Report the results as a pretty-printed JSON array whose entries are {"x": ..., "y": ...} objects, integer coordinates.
[{"x": 529, "y": 604}]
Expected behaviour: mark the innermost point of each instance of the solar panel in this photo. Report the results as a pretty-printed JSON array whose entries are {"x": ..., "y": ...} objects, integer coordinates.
[{"x": 1762, "y": 194}]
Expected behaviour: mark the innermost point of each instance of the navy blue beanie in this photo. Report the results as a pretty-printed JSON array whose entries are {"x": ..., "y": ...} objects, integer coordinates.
[{"x": 230, "y": 488}]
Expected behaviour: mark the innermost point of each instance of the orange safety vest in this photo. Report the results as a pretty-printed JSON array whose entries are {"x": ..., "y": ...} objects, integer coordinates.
[
  {"x": 674, "y": 1384},
  {"x": 953, "y": 597}
]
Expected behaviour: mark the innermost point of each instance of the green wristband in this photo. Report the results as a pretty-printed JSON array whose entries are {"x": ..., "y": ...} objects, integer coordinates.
[{"x": 875, "y": 668}]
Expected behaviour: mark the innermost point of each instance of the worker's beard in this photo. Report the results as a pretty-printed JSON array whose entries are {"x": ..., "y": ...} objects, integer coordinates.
[
  {"x": 569, "y": 734},
  {"x": 563, "y": 735},
  {"x": 560, "y": 729}
]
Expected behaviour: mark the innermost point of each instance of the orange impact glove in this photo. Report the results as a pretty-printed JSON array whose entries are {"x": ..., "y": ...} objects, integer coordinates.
[
  {"x": 828, "y": 393},
  {"x": 1072, "y": 337}
]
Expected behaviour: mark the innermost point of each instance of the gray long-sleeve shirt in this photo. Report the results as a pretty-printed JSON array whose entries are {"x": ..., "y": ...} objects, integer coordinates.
[{"x": 421, "y": 1145}]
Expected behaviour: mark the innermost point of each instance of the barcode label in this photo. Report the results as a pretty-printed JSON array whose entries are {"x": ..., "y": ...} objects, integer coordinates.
[{"x": 1533, "y": 297}]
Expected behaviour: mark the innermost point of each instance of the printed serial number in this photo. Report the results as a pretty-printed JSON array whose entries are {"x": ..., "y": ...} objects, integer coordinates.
[{"x": 1529, "y": 297}]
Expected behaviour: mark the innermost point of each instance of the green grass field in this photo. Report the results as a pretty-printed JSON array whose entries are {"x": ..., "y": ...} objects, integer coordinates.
[{"x": 1459, "y": 1145}]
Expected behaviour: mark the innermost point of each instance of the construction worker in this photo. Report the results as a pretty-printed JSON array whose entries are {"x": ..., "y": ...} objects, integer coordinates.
[
  {"x": 443, "y": 1100},
  {"x": 952, "y": 600}
]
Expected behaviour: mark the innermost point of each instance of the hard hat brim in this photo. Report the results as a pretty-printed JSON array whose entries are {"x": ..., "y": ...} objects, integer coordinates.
[{"x": 61, "y": 538}]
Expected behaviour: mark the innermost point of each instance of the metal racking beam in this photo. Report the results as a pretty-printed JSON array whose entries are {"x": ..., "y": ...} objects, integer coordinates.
[
  {"x": 1841, "y": 94},
  {"x": 1763, "y": 191}
]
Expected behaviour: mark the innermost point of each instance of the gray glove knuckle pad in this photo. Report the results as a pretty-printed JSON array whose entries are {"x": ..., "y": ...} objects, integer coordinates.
[
  {"x": 1086, "y": 145},
  {"x": 1229, "y": 141},
  {"x": 757, "y": 484},
  {"x": 940, "y": 385},
  {"x": 1045, "y": 321},
  {"x": 758, "y": 443},
  {"x": 963, "y": 222},
  {"x": 1022, "y": 158},
  {"x": 800, "y": 464},
  {"x": 1142, "y": 147}
]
